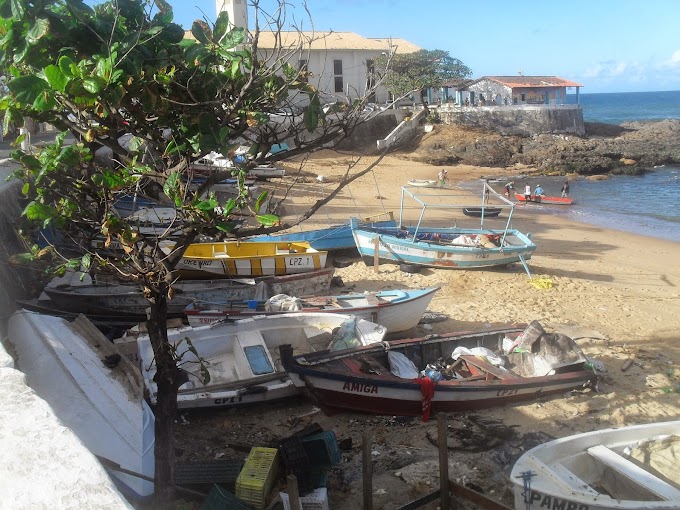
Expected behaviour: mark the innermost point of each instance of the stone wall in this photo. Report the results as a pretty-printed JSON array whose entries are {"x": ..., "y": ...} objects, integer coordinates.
[{"x": 518, "y": 120}]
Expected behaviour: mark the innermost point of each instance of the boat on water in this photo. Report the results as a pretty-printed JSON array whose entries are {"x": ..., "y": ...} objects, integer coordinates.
[
  {"x": 442, "y": 247},
  {"x": 92, "y": 389},
  {"x": 242, "y": 356},
  {"x": 116, "y": 299},
  {"x": 335, "y": 237},
  {"x": 544, "y": 199},
  {"x": 634, "y": 467},
  {"x": 443, "y": 372},
  {"x": 396, "y": 310},
  {"x": 249, "y": 258},
  {"x": 478, "y": 212}
]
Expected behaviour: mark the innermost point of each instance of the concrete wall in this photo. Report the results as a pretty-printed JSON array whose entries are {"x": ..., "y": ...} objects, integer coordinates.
[{"x": 518, "y": 120}]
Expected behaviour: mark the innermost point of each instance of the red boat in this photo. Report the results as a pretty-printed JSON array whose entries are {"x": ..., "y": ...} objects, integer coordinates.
[
  {"x": 544, "y": 199},
  {"x": 433, "y": 375}
]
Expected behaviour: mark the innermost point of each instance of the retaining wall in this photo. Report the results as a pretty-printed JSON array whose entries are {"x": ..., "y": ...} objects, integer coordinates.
[{"x": 518, "y": 120}]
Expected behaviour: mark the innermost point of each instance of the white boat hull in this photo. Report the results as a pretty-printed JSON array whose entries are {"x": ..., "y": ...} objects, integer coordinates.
[
  {"x": 592, "y": 471},
  {"x": 103, "y": 406},
  {"x": 243, "y": 359}
]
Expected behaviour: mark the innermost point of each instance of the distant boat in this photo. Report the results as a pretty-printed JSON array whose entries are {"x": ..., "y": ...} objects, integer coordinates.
[
  {"x": 544, "y": 199},
  {"x": 66, "y": 365},
  {"x": 634, "y": 467},
  {"x": 397, "y": 310},
  {"x": 113, "y": 299},
  {"x": 249, "y": 258},
  {"x": 448, "y": 373},
  {"x": 265, "y": 172},
  {"x": 335, "y": 237},
  {"x": 477, "y": 212},
  {"x": 243, "y": 356},
  {"x": 422, "y": 183}
]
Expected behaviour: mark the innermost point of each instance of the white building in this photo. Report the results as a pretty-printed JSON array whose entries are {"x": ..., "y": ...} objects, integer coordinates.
[{"x": 340, "y": 64}]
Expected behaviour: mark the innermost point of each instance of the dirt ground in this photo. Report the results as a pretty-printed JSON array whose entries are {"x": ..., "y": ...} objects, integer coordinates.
[{"x": 616, "y": 294}]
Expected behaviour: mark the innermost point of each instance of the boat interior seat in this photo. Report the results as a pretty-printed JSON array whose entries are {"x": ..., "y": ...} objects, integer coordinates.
[
  {"x": 251, "y": 355},
  {"x": 635, "y": 473},
  {"x": 318, "y": 339}
]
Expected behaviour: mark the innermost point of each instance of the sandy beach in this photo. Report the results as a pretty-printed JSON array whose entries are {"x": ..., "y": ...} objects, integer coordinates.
[{"x": 616, "y": 294}]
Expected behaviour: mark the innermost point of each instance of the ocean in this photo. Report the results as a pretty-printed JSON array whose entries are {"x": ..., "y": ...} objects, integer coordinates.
[{"x": 647, "y": 204}]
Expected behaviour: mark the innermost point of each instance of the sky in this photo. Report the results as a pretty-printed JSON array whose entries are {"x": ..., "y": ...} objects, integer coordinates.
[{"x": 605, "y": 45}]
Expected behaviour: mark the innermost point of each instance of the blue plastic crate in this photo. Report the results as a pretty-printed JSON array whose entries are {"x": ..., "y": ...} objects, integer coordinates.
[{"x": 322, "y": 449}]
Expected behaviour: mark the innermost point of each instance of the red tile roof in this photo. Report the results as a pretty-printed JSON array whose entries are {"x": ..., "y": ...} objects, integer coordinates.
[{"x": 532, "y": 81}]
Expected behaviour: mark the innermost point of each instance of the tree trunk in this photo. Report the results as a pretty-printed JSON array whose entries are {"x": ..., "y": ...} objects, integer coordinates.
[
  {"x": 423, "y": 99},
  {"x": 167, "y": 379}
]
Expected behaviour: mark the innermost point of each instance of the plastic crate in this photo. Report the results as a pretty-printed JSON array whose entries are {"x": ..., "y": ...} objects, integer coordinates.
[
  {"x": 220, "y": 498},
  {"x": 256, "y": 479},
  {"x": 222, "y": 472},
  {"x": 322, "y": 449},
  {"x": 317, "y": 500},
  {"x": 293, "y": 454}
]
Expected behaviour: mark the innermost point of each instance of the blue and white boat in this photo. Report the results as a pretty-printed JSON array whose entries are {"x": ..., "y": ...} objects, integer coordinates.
[
  {"x": 335, "y": 237},
  {"x": 446, "y": 248}
]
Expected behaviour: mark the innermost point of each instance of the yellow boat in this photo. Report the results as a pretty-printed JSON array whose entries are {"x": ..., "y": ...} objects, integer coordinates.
[{"x": 251, "y": 258}]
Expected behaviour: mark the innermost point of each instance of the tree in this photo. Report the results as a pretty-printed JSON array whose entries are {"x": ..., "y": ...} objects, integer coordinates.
[
  {"x": 122, "y": 75},
  {"x": 418, "y": 71}
]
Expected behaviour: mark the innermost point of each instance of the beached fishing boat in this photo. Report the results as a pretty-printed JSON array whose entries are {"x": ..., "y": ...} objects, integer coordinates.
[
  {"x": 544, "y": 199},
  {"x": 242, "y": 356},
  {"x": 423, "y": 183},
  {"x": 92, "y": 389},
  {"x": 478, "y": 212},
  {"x": 335, "y": 237},
  {"x": 442, "y": 373},
  {"x": 442, "y": 247},
  {"x": 249, "y": 258},
  {"x": 114, "y": 299},
  {"x": 262, "y": 172},
  {"x": 396, "y": 310},
  {"x": 634, "y": 467}
]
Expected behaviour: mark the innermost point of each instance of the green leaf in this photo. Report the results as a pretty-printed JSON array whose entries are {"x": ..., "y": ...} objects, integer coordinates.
[
  {"x": 26, "y": 88},
  {"x": 221, "y": 25},
  {"x": 205, "y": 375},
  {"x": 207, "y": 205},
  {"x": 38, "y": 30},
  {"x": 260, "y": 200},
  {"x": 93, "y": 84},
  {"x": 173, "y": 33},
  {"x": 313, "y": 113},
  {"x": 26, "y": 189},
  {"x": 233, "y": 38},
  {"x": 267, "y": 220},
  {"x": 56, "y": 78},
  {"x": 36, "y": 211},
  {"x": 201, "y": 31},
  {"x": 18, "y": 8},
  {"x": 66, "y": 66},
  {"x": 86, "y": 261},
  {"x": 44, "y": 102},
  {"x": 171, "y": 185}
]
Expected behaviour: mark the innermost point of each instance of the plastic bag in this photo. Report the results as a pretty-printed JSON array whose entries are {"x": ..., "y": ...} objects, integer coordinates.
[
  {"x": 401, "y": 366},
  {"x": 344, "y": 336},
  {"x": 432, "y": 372},
  {"x": 283, "y": 303}
]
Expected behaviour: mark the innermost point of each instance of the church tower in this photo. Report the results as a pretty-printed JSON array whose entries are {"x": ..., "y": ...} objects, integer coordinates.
[{"x": 237, "y": 10}]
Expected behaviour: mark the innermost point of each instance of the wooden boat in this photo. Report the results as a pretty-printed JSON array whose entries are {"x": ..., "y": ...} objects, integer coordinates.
[
  {"x": 104, "y": 406},
  {"x": 262, "y": 172},
  {"x": 634, "y": 467},
  {"x": 250, "y": 258},
  {"x": 544, "y": 199},
  {"x": 396, "y": 310},
  {"x": 362, "y": 379},
  {"x": 478, "y": 212},
  {"x": 113, "y": 299},
  {"x": 423, "y": 183},
  {"x": 242, "y": 356},
  {"x": 447, "y": 248},
  {"x": 335, "y": 237}
]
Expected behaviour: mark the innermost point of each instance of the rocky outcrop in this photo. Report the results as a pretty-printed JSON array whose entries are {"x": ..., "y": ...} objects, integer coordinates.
[{"x": 606, "y": 148}]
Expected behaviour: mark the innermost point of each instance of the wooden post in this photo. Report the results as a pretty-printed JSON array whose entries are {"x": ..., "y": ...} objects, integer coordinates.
[
  {"x": 293, "y": 493},
  {"x": 367, "y": 461},
  {"x": 445, "y": 499},
  {"x": 376, "y": 254}
]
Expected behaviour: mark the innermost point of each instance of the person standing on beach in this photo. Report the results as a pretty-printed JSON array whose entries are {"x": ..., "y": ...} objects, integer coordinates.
[
  {"x": 565, "y": 189},
  {"x": 442, "y": 177},
  {"x": 508, "y": 188},
  {"x": 527, "y": 192}
]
